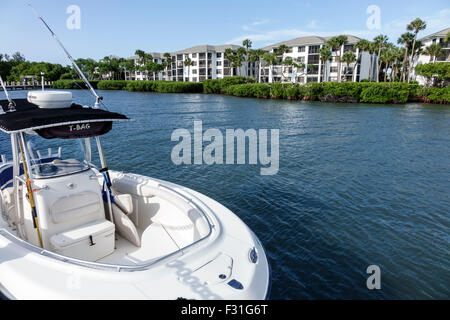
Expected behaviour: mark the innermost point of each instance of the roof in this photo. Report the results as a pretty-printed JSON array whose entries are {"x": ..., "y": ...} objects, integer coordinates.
[
  {"x": 30, "y": 117},
  {"x": 157, "y": 55},
  {"x": 206, "y": 47},
  {"x": 310, "y": 40},
  {"x": 439, "y": 34}
]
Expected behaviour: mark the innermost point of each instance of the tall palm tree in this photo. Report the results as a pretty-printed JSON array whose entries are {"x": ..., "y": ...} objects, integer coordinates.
[
  {"x": 336, "y": 44},
  {"x": 167, "y": 64},
  {"x": 416, "y": 26},
  {"x": 188, "y": 63},
  {"x": 271, "y": 59},
  {"x": 348, "y": 58},
  {"x": 230, "y": 56},
  {"x": 241, "y": 55},
  {"x": 362, "y": 46},
  {"x": 325, "y": 55},
  {"x": 380, "y": 42},
  {"x": 405, "y": 39},
  {"x": 256, "y": 56},
  {"x": 247, "y": 43},
  {"x": 289, "y": 63},
  {"x": 434, "y": 51}
]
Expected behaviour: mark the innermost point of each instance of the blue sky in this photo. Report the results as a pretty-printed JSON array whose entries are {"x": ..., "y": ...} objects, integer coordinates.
[{"x": 121, "y": 27}]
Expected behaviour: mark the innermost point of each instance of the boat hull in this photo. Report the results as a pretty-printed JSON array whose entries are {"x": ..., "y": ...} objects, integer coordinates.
[{"x": 229, "y": 264}]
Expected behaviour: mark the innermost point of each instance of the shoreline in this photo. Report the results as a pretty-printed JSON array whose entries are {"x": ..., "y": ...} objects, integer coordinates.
[{"x": 345, "y": 92}]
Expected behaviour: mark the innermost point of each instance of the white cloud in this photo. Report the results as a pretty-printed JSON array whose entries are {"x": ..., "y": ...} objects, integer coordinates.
[
  {"x": 393, "y": 29},
  {"x": 255, "y": 23}
]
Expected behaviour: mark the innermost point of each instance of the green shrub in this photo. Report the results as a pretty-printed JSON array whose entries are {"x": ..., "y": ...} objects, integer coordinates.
[
  {"x": 179, "y": 87},
  {"x": 313, "y": 91},
  {"x": 112, "y": 85},
  {"x": 436, "y": 95},
  {"x": 73, "y": 84},
  {"x": 211, "y": 86}
]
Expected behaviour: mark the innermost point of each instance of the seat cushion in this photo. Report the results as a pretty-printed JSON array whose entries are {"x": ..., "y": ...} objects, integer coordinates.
[
  {"x": 125, "y": 226},
  {"x": 124, "y": 202},
  {"x": 71, "y": 237},
  {"x": 76, "y": 206}
]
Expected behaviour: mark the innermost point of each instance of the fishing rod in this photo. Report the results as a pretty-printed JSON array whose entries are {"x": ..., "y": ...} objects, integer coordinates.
[
  {"x": 25, "y": 163},
  {"x": 77, "y": 68},
  {"x": 12, "y": 104},
  {"x": 104, "y": 171}
]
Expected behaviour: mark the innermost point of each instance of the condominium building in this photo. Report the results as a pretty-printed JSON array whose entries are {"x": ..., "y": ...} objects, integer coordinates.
[
  {"x": 208, "y": 62},
  {"x": 144, "y": 75},
  {"x": 305, "y": 51},
  {"x": 435, "y": 38}
]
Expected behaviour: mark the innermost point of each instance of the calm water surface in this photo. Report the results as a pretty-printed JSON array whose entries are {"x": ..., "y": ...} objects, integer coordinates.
[{"x": 358, "y": 185}]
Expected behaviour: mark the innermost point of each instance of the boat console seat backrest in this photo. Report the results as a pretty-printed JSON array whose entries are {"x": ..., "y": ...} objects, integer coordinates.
[{"x": 72, "y": 216}]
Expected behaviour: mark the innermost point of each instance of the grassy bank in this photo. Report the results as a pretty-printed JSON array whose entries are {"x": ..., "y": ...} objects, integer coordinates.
[{"x": 349, "y": 92}]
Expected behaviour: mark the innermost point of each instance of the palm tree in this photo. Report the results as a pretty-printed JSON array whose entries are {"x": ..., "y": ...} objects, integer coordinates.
[
  {"x": 241, "y": 56},
  {"x": 348, "y": 57},
  {"x": 362, "y": 46},
  {"x": 336, "y": 44},
  {"x": 289, "y": 63},
  {"x": 405, "y": 39},
  {"x": 256, "y": 56},
  {"x": 230, "y": 56},
  {"x": 167, "y": 64},
  {"x": 325, "y": 55},
  {"x": 434, "y": 51},
  {"x": 188, "y": 63},
  {"x": 380, "y": 42},
  {"x": 416, "y": 26},
  {"x": 247, "y": 43},
  {"x": 270, "y": 58}
]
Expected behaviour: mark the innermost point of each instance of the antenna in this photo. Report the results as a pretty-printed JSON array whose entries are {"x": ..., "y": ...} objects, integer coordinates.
[
  {"x": 12, "y": 104},
  {"x": 80, "y": 73}
]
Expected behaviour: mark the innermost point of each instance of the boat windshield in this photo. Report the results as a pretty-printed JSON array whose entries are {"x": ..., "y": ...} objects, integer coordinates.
[{"x": 53, "y": 158}]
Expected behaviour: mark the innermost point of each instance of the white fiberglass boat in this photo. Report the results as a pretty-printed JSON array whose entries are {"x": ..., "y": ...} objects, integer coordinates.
[{"x": 70, "y": 229}]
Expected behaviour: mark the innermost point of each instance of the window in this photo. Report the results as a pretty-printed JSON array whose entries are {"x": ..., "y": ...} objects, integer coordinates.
[
  {"x": 219, "y": 71},
  {"x": 301, "y": 49},
  {"x": 218, "y": 63},
  {"x": 333, "y": 69},
  {"x": 194, "y": 71},
  {"x": 301, "y": 59},
  {"x": 314, "y": 49},
  {"x": 194, "y": 55},
  {"x": 219, "y": 55}
]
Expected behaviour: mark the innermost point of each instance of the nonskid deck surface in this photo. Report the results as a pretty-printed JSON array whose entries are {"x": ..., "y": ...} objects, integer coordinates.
[{"x": 156, "y": 242}]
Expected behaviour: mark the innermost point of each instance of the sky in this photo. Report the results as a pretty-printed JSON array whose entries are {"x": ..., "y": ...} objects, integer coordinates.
[{"x": 120, "y": 27}]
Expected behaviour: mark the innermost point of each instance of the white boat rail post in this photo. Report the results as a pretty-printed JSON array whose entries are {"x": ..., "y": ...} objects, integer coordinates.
[{"x": 16, "y": 173}]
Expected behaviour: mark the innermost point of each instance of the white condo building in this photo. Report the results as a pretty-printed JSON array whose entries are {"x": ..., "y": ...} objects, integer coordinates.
[
  {"x": 209, "y": 62},
  {"x": 305, "y": 50},
  {"x": 435, "y": 38}
]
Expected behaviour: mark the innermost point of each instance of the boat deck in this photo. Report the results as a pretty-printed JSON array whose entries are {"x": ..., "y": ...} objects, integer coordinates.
[{"x": 156, "y": 243}]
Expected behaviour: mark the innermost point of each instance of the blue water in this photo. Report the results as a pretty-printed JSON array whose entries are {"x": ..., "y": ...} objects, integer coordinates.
[{"x": 358, "y": 185}]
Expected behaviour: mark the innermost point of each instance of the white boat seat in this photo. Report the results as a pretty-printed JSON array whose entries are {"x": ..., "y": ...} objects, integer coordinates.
[
  {"x": 124, "y": 202},
  {"x": 75, "y": 207},
  {"x": 9, "y": 204},
  {"x": 91, "y": 242},
  {"x": 123, "y": 206}
]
